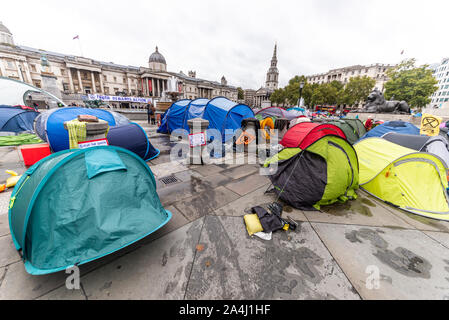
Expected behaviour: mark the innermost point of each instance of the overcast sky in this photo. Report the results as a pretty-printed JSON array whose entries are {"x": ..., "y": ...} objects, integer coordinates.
[{"x": 236, "y": 38}]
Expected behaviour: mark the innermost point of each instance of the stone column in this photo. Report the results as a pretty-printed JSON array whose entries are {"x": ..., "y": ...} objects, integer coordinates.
[
  {"x": 79, "y": 80},
  {"x": 19, "y": 71},
  {"x": 158, "y": 91},
  {"x": 197, "y": 125},
  {"x": 72, "y": 87},
  {"x": 101, "y": 83},
  {"x": 94, "y": 87},
  {"x": 27, "y": 70}
]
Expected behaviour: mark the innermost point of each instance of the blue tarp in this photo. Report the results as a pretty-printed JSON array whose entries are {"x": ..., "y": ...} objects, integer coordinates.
[
  {"x": 16, "y": 119},
  {"x": 392, "y": 126},
  {"x": 133, "y": 138}
]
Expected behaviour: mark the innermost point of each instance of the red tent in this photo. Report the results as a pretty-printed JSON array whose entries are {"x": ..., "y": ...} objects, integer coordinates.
[{"x": 305, "y": 134}]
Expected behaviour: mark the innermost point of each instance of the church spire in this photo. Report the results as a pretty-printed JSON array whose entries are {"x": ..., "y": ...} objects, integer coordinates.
[{"x": 273, "y": 73}]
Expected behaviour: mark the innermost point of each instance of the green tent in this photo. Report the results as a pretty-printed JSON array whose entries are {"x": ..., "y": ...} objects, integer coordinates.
[
  {"x": 353, "y": 128},
  {"x": 76, "y": 206},
  {"x": 317, "y": 167}
]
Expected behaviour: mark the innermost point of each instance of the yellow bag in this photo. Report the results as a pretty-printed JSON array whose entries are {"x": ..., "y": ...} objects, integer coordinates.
[
  {"x": 252, "y": 224},
  {"x": 12, "y": 181}
]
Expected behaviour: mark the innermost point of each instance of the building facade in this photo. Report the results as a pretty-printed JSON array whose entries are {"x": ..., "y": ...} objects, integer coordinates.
[
  {"x": 375, "y": 71},
  {"x": 261, "y": 98},
  {"x": 73, "y": 78},
  {"x": 440, "y": 98}
]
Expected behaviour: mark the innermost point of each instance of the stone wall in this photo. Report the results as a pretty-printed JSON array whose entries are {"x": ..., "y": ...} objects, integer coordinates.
[{"x": 391, "y": 117}]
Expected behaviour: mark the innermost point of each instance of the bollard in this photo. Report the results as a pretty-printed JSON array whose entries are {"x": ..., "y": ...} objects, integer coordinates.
[
  {"x": 196, "y": 126},
  {"x": 94, "y": 130}
]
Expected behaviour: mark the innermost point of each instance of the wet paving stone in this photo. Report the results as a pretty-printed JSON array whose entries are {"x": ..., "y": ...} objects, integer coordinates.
[
  {"x": 383, "y": 263},
  {"x": 4, "y": 225},
  {"x": 248, "y": 184},
  {"x": 205, "y": 203},
  {"x": 365, "y": 210},
  {"x": 159, "y": 270},
  {"x": 8, "y": 253},
  {"x": 290, "y": 266}
]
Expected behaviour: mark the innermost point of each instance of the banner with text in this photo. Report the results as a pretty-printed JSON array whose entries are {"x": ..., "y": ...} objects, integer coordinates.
[{"x": 118, "y": 98}]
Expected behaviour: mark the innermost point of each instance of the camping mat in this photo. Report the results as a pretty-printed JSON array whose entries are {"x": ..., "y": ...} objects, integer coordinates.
[{"x": 26, "y": 138}]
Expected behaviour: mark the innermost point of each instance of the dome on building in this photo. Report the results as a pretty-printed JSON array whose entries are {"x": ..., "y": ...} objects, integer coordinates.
[
  {"x": 3, "y": 29},
  {"x": 5, "y": 35},
  {"x": 157, "y": 57}
]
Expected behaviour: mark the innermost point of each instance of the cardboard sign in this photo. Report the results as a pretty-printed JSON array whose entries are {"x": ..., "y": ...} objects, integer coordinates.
[
  {"x": 93, "y": 143},
  {"x": 197, "y": 139},
  {"x": 430, "y": 125}
]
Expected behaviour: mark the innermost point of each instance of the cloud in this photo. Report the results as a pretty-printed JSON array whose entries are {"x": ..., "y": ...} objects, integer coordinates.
[{"x": 236, "y": 38}]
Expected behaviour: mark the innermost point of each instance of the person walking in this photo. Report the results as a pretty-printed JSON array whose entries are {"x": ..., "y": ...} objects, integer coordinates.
[{"x": 151, "y": 112}]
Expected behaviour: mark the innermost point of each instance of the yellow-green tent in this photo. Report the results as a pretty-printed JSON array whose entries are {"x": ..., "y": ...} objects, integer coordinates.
[{"x": 413, "y": 181}]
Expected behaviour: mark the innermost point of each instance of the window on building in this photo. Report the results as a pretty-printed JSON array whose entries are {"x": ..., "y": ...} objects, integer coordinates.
[
  {"x": 85, "y": 76},
  {"x": 37, "y": 83},
  {"x": 65, "y": 86},
  {"x": 9, "y": 64},
  {"x": 115, "y": 79},
  {"x": 106, "y": 90},
  {"x": 33, "y": 67},
  {"x": 105, "y": 78},
  {"x": 62, "y": 71}
]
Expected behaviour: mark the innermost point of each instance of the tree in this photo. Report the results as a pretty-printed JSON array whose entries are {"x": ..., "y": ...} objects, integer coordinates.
[
  {"x": 278, "y": 97},
  {"x": 240, "y": 94},
  {"x": 357, "y": 89},
  {"x": 412, "y": 84}
]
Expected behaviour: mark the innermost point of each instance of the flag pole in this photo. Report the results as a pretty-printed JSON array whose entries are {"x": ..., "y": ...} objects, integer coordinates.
[{"x": 79, "y": 43}]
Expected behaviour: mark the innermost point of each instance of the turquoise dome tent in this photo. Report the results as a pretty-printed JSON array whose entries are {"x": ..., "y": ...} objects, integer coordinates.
[{"x": 79, "y": 205}]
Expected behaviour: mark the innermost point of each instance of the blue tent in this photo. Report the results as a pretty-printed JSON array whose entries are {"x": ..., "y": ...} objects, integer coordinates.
[
  {"x": 401, "y": 127},
  {"x": 225, "y": 114},
  {"x": 195, "y": 109},
  {"x": 173, "y": 118},
  {"x": 50, "y": 125},
  {"x": 133, "y": 138},
  {"x": 16, "y": 119},
  {"x": 221, "y": 112}
]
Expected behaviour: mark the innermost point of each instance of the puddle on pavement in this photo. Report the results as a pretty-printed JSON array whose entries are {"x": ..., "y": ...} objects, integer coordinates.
[
  {"x": 400, "y": 259},
  {"x": 361, "y": 206},
  {"x": 430, "y": 222}
]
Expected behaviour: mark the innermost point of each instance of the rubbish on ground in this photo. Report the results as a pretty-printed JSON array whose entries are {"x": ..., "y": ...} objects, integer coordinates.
[
  {"x": 253, "y": 224},
  {"x": 21, "y": 139},
  {"x": 413, "y": 181},
  {"x": 107, "y": 194},
  {"x": 17, "y": 119},
  {"x": 2, "y": 187},
  {"x": 133, "y": 138},
  {"x": 33, "y": 153},
  {"x": 12, "y": 181},
  {"x": 269, "y": 222},
  {"x": 318, "y": 167},
  {"x": 264, "y": 236}
]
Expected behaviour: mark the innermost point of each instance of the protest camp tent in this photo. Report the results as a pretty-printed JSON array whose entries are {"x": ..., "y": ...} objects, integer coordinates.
[
  {"x": 413, "y": 181},
  {"x": 353, "y": 128},
  {"x": 437, "y": 145},
  {"x": 224, "y": 114},
  {"x": 195, "y": 109},
  {"x": 133, "y": 138},
  {"x": 392, "y": 126},
  {"x": 49, "y": 125},
  {"x": 16, "y": 119},
  {"x": 173, "y": 118},
  {"x": 277, "y": 112},
  {"x": 318, "y": 167},
  {"x": 79, "y": 205}
]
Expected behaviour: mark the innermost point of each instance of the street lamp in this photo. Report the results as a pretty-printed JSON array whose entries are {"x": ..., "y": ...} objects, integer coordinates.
[{"x": 301, "y": 86}]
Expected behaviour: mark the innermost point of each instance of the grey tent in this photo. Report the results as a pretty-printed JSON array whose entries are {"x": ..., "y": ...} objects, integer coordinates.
[{"x": 437, "y": 145}]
